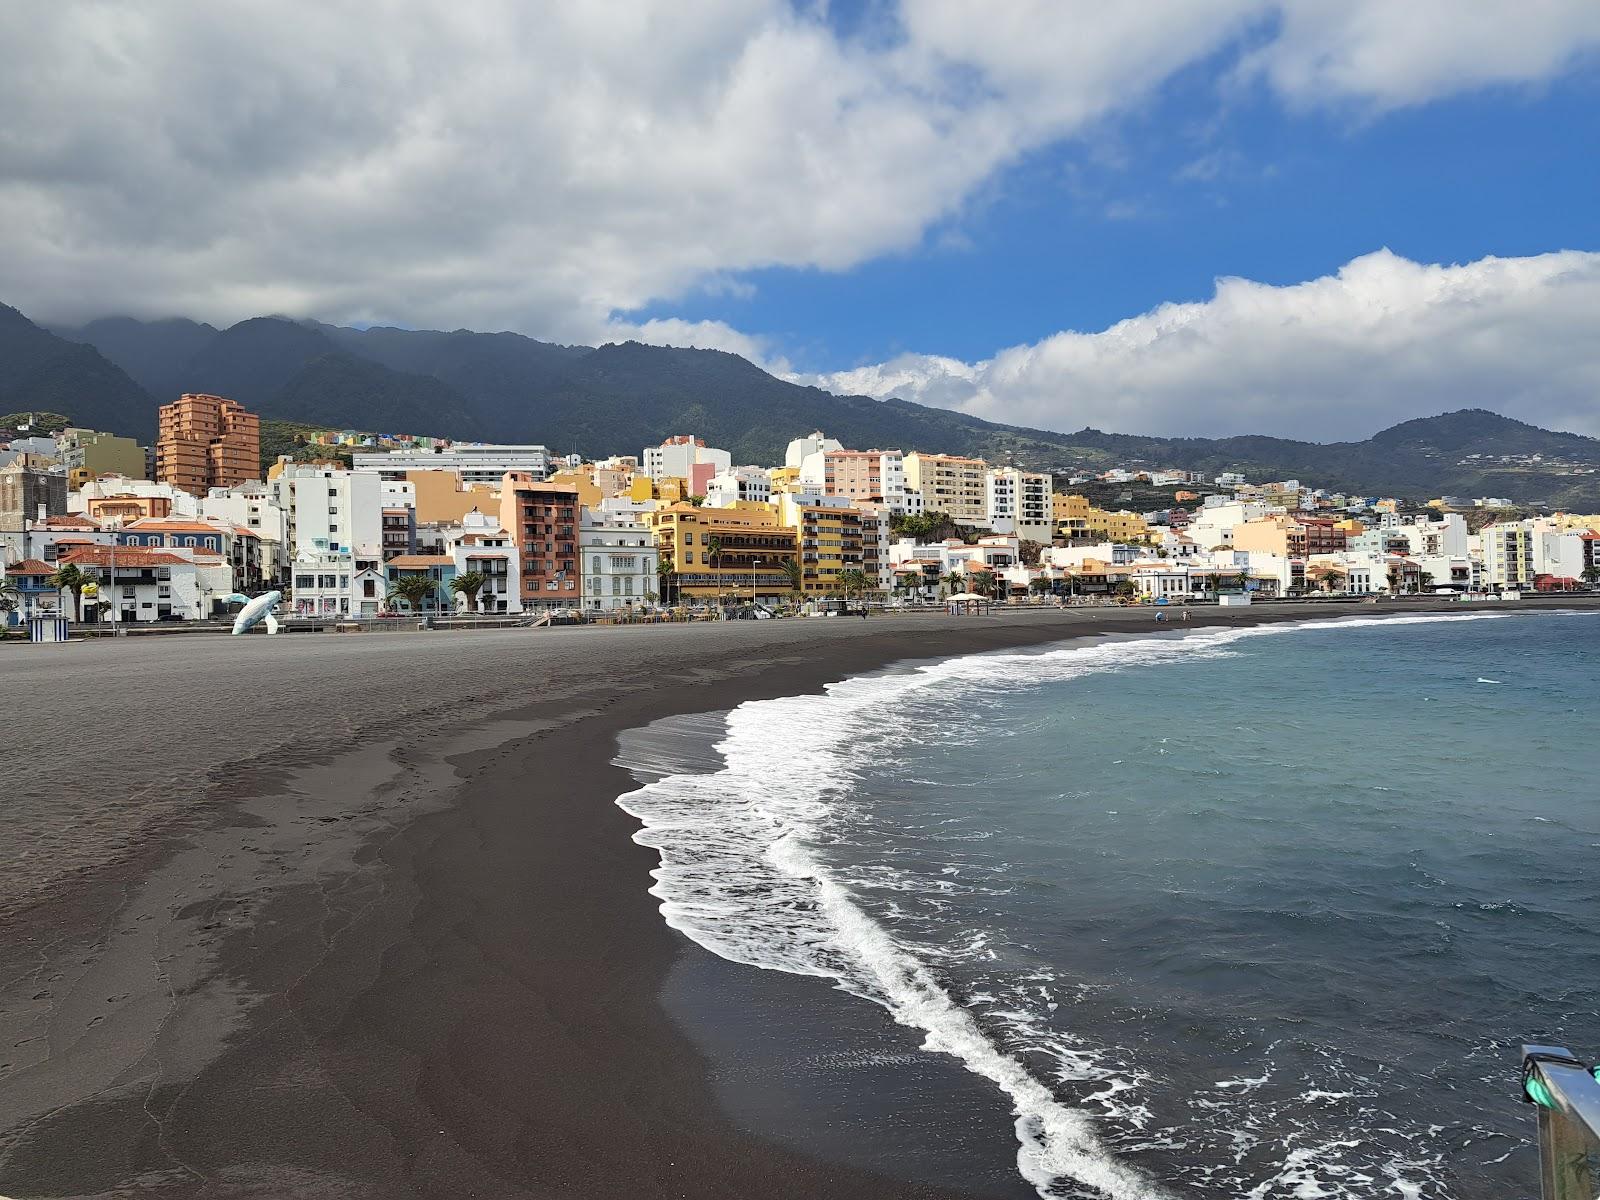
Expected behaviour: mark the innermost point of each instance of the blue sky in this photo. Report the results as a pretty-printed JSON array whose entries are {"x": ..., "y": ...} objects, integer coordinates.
[
  {"x": 1309, "y": 216},
  {"x": 1155, "y": 205}
]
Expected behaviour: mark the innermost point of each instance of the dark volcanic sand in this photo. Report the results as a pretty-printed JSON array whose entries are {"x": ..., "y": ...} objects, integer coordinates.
[{"x": 356, "y": 917}]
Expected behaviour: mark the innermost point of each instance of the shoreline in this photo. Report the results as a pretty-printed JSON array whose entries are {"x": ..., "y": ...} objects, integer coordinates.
[{"x": 428, "y": 965}]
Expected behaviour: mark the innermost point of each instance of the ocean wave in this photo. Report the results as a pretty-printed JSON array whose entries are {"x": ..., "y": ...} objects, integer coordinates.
[{"x": 740, "y": 874}]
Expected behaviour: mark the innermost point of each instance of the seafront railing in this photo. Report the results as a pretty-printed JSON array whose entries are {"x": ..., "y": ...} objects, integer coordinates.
[{"x": 1568, "y": 1098}]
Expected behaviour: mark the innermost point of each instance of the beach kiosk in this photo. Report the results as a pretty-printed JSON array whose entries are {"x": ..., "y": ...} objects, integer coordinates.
[{"x": 49, "y": 629}]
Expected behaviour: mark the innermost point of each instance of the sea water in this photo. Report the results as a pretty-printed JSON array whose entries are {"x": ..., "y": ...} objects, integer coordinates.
[{"x": 1245, "y": 913}]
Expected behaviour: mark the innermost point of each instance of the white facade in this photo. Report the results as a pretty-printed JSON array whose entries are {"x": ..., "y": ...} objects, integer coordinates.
[
  {"x": 326, "y": 582},
  {"x": 480, "y": 544},
  {"x": 329, "y": 510},
  {"x": 475, "y": 462},
  {"x": 1212, "y": 525},
  {"x": 618, "y": 558},
  {"x": 795, "y": 455},
  {"x": 250, "y": 506},
  {"x": 674, "y": 457},
  {"x": 1019, "y": 502},
  {"x": 1506, "y": 550},
  {"x": 740, "y": 483},
  {"x": 184, "y": 504}
]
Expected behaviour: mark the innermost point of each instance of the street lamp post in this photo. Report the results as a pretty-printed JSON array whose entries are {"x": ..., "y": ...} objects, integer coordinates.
[{"x": 755, "y": 564}]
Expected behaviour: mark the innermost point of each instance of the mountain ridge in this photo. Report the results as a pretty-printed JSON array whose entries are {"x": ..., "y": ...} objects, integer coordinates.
[{"x": 620, "y": 396}]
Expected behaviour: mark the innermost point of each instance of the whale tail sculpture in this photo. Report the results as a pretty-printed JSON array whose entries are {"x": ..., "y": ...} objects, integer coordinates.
[{"x": 255, "y": 611}]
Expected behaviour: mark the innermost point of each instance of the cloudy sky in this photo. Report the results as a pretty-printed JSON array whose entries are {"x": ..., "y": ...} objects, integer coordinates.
[{"x": 1304, "y": 217}]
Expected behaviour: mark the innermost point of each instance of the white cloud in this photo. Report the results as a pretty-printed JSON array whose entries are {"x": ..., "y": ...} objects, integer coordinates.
[
  {"x": 1391, "y": 54},
  {"x": 1336, "y": 358},
  {"x": 548, "y": 167}
]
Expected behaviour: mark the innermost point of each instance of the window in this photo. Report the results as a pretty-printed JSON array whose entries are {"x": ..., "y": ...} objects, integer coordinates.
[{"x": 304, "y": 581}]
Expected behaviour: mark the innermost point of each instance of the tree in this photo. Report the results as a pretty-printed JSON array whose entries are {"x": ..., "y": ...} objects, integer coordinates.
[
  {"x": 469, "y": 584},
  {"x": 70, "y": 579},
  {"x": 413, "y": 589},
  {"x": 854, "y": 579},
  {"x": 1394, "y": 581},
  {"x": 665, "y": 574},
  {"x": 908, "y": 581},
  {"x": 1425, "y": 580},
  {"x": 1213, "y": 583},
  {"x": 714, "y": 553},
  {"x": 951, "y": 583},
  {"x": 1591, "y": 575},
  {"x": 1124, "y": 588},
  {"x": 795, "y": 577},
  {"x": 1029, "y": 551},
  {"x": 697, "y": 501},
  {"x": 1039, "y": 586}
]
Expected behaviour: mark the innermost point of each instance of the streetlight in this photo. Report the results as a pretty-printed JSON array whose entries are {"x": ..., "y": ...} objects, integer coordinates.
[{"x": 754, "y": 564}]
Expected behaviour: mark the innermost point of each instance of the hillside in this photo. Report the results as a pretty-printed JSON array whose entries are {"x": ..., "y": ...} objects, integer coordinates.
[
  {"x": 39, "y": 370},
  {"x": 618, "y": 398}
]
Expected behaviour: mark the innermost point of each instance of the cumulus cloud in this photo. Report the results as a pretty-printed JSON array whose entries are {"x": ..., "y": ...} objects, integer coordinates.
[
  {"x": 553, "y": 167},
  {"x": 1336, "y": 358}
]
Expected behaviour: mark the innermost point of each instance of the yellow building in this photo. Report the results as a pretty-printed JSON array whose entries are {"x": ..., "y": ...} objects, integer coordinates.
[
  {"x": 830, "y": 541},
  {"x": 949, "y": 484},
  {"x": 1070, "y": 515},
  {"x": 581, "y": 478},
  {"x": 724, "y": 553},
  {"x": 1117, "y": 526},
  {"x": 443, "y": 499}
]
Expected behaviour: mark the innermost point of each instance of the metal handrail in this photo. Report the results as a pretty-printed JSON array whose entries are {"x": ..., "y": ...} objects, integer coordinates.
[{"x": 1568, "y": 1098}]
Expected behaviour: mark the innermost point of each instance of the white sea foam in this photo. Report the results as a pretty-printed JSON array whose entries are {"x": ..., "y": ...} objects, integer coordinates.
[{"x": 739, "y": 874}]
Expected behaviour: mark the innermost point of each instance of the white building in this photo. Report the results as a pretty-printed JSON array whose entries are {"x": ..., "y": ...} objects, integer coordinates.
[
  {"x": 480, "y": 544},
  {"x": 250, "y": 506},
  {"x": 329, "y": 510},
  {"x": 179, "y": 502},
  {"x": 1506, "y": 552},
  {"x": 740, "y": 483},
  {"x": 864, "y": 476},
  {"x": 1019, "y": 502},
  {"x": 1213, "y": 523},
  {"x": 795, "y": 455},
  {"x": 143, "y": 584},
  {"x": 618, "y": 558},
  {"x": 674, "y": 457},
  {"x": 475, "y": 462},
  {"x": 328, "y": 582}
]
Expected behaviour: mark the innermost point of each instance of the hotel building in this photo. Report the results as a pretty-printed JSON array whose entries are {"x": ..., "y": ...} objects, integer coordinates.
[{"x": 205, "y": 442}]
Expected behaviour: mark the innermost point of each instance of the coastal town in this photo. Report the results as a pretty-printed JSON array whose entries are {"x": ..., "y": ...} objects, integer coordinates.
[{"x": 102, "y": 531}]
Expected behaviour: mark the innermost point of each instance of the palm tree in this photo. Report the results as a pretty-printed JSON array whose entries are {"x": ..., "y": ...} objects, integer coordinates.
[
  {"x": 714, "y": 553},
  {"x": 413, "y": 589},
  {"x": 469, "y": 584},
  {"x": 854, "y": 579},
  {"x": 951, "y": 583},
  {"x": 665, "y": 573},
  {"x": 1591, "y": 575},
  {"x": 1213, "y": 583},
  {"x": 1394, "y": 581},
  {"x": 70, "y": 579},
  {"x": 794, "y": 575}
]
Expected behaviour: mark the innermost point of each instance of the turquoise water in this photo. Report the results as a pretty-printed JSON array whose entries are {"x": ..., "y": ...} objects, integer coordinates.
[{"x": 1256, "y": 913}]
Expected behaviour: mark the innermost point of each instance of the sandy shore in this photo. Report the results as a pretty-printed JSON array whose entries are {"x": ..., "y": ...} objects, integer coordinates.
[{"x": 355, "y": 916}]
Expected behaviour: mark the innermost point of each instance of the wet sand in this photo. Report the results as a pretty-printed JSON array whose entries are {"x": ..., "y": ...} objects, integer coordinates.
[{"x": 355, "y": 916}]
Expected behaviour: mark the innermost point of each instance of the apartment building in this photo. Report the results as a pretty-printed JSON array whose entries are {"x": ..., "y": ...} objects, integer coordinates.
[
  {"x": 829, "y": 532},
  {"x": 331, "y": 509},
  {"x": 949, "y": 484},
  {"x": 1020, "y": 502},
  {"x": 1508, "y": 554},
  {"x": 543, "y": 519},
  {"x": 206, "y": 441},
  {"x": 619, "y": 558},
  {"x": 864, "y": 476},
  {"x": 739, "y": 553},
  {"x": 677, "y": 457}
]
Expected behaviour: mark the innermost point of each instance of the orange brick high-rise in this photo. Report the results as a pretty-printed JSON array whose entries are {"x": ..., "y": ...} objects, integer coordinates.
[{"x": 206, "y": 442}]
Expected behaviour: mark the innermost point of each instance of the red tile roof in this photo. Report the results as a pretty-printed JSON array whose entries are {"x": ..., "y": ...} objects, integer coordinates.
[
  {"x": 126, "y": 556},
  {"x": 30, "y": 566},
  {"x": 415, "y": 561}
]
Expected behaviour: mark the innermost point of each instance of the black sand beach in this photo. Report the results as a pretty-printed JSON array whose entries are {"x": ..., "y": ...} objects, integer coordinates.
[{"x": 356, "y": 916}]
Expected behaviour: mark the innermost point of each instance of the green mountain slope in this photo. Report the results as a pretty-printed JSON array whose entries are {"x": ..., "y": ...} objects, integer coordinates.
[
  {"x": 39, "y": 370},
  {"x": 619, "y": 398}
]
